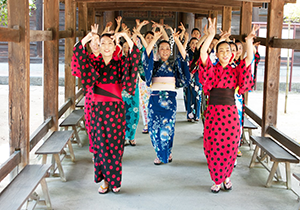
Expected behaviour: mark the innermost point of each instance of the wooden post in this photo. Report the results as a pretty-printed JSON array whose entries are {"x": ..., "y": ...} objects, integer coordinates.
[
  {"x": 39, "y": 25},
  {"x": 214, "y": 14},
  {"x": 19, "y": 79},
  {"x": 198, "y": 22},
  {"x": 245, "y": 26},
  {"x": 82, "y": 25},
  {"x": 70, "y": 18},
  {"x": 51, "y": 22},
  {"x": 91, "y": 18},
  {"x": 272, "y": 65},
  {"x": 226, "y": 18}
]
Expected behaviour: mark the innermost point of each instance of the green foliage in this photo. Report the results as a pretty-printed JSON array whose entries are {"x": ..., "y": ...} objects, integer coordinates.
[
  {"x": 292, "y": 12},
  {"x": 3, "y": 10}
]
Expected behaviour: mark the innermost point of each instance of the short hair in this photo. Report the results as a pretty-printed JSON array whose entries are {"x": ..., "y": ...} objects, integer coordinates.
[
  {"x": 223, "y": 42},
  {"x": 149, "y": 32},
  {"x": 163, "y": 41},
  {"x": 196, "y": 29},
  {"x": 193, "y": 38}
]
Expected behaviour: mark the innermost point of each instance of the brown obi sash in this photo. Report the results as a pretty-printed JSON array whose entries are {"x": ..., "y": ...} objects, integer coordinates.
[
  {"x": 107, "y": 92},
  {"x": 221, "y": 96}
]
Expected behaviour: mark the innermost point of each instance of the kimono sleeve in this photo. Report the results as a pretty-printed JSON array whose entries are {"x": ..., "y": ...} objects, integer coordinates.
[
  {"x": 245, "y": 81},
  {"x": 75, "y": 67},
  {"x": 140, "y": 65},
  {"x": 206, "y": 75},
  {"x": 148, "y": 63},
  {"x": 88, "y": 73},
  {"x": 182, "y": 71},
  {"x": 129, "y": 68}
]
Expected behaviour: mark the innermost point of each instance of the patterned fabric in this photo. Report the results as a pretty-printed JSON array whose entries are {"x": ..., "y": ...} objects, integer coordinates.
[
  {"x": 132, "y": 113},
  {"x": 144, "y": 100},
  {"x": 108, "y": 117},
  {"x": 222, "y": 126},
  {"x": 162, "y": 104},
  {"x": 88, "y": 94}
]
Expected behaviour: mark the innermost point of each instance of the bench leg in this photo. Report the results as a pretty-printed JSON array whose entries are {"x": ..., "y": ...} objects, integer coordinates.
[
  {"x": 77, "y": 136},
  {"x": 59, "y": 166},
  {"x": 254, "y": 156},
  {"x": 46, "y": 193},
  {"x": 272, "y": 173},
  {"x": 288, "y": 175},
  {"x": 71, "y": 150},
  {"x": 44, "y": 161}
]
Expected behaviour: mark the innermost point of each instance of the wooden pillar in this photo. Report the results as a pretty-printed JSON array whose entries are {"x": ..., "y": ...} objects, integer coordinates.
[
  {"x": 198, "y": 22},
  {"x": 272, "y": 65},
  {"x": 19, "y": 79},
  {"x": 226, "y": 18},
  {"x": 82, "y": 25},
  {"x": 70, "y": 24},
  {"x": 39, "y": 25},
  {"x": 91, "y": 18},
  {"x": 51, "y": 22},
  {"x": 245, "y": 26}
]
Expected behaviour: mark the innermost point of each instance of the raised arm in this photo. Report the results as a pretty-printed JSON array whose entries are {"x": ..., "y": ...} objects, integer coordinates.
[
  {"x": 186, "y": 39},
  {"x": 178, "y": 43},
  {"x": 249, "y": 45},
  {"x": 161, "y": 28},
  {"x": 118, "y": 21},
  {"x": 210, "y": 37},
  {"x": 150, "y": 46},
  {"x": 183, "y": 30},
  {"x": 202, "y": 39},
  {"x": 137, "y": 33}
]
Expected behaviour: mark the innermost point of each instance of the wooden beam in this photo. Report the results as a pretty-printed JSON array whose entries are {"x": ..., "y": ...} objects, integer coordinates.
[
  {"x": 79, "y": 33},
  {"x": 13, "y": 161},
  {"x": 19, "y": 80},
  {"x": 51, "y": 22},
  {"x": 9, "y": 34},
  {"x": 38, "y": 35},
  {"x": 68, "y": 33},
  {"x": 70, "y": 25},
  {"x": 272, "y": 66},
  {"x": 226, "y": 18},
  {"x": 285, "y": 43}
]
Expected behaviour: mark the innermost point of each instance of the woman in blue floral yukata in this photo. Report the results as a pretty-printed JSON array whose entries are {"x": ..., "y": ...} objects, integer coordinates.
[{"x": 164, "y": 76}]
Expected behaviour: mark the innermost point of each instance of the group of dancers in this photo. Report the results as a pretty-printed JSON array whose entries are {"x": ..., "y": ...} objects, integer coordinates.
[{"x": 126, "y": 71}]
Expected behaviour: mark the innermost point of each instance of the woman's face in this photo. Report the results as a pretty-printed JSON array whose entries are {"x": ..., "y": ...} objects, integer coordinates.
[
  {"x": 233, "y": 50},
  {"x": 94, "y": 44},
  {"x": 239, "y": 51},
  {"x": 213, "y": 43},
  {"x": 126, "y": 49},
  {"x": 193, "y": 45},
  {"x": 196, "y": 34},
  {"x": 224, "y": 53},
  {"x": 107, "y": 46},
  {"x": 149, "y": 38},
  {"x": 164, "y": 51}
]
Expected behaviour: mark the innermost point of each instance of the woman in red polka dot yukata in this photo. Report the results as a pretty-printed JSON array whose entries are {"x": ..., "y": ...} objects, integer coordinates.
[
  {"x": 107, "y": 79},
  {"x": 222, "y": 126}
]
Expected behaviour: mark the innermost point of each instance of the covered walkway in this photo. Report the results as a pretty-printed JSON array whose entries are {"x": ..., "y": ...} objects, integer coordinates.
[{"x": 183, "y": 184}]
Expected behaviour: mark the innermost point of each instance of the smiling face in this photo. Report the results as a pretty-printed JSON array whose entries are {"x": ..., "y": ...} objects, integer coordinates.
[
  {"x": 107, "y": 46},
  {"x": 164, "y": 51},
  {"x": 193, "y": 44},
  {"x": 224, "y": 53},
  {"x": 94, "y": 44},
  {"x": 149, "y": 38},
  {"x": 233, "y": 50},
  {"x": 196, "y": 34},
  {"x": 126, "y": 49}
]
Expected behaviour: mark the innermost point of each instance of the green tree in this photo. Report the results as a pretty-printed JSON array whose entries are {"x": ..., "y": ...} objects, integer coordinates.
[
  {"x": 292, "y": 12},
  {"x": 3, "y": 10}
]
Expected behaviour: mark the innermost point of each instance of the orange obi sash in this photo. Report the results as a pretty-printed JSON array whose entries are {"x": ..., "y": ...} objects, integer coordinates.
[{"x": 107, "y": 92}]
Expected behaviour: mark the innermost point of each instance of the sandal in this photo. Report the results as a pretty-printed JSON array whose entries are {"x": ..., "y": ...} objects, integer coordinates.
[
  {"x": 145, "y": 130},
  {"x": 157, "y": 161},
  {"x": 239, "y": 154},
  {"x": 132, "y": 142},
  {"x": 170, "y": 158},
  {"x": 116, "y": 190},
  {"x": 103, "y": 190},
  {"x": 215, "y": 188},
  {"x": 189, "y": 120},
  {"x": 227, "y": 184},
  {"x": 126, "y": 143}
]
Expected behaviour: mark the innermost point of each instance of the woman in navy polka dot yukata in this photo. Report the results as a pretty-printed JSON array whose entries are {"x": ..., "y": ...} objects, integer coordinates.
[
  {"x": 110, "y": 76},
  {"x": 222, "y": 126}
]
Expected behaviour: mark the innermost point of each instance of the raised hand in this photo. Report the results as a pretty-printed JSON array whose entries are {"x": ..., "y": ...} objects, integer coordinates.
[
  {"x": 94, "y": 28},
  {"x": 108, "y": 25},
  {"x": 212, "y": 27},
  {"x": 182, "y": 27},
  {"x": 205, "y": 31},
  {"x": 118, "y": 20},
  {"x": 252, "y": 34}
]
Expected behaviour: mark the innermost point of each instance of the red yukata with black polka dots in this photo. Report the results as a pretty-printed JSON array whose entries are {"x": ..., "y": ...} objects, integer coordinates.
[
  {"x": 108, "y": 117},
  {"x": 222, "y": 126}
]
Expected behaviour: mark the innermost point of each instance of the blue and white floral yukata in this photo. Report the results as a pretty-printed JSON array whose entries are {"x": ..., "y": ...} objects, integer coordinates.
[{"x": 162, "y": 104}]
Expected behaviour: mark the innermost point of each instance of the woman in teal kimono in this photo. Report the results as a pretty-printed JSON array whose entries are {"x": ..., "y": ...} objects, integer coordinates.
[{"x": 164, "y": 76}]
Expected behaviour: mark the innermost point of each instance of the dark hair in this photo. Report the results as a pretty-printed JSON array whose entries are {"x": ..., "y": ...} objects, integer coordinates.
[
  {"x": 193, "y": 38},
  {"x": 238, "y": 41},
  {"x": 163, "y": 41},
  {"x": 196, "y": 29},
  {"x": 107, "y": 35},
  {"x": 218, "y": 45},
  {"x": 149, "y": 32},
  {"x": 232, "y": 43},
  {"x": 216, "y": 37}
]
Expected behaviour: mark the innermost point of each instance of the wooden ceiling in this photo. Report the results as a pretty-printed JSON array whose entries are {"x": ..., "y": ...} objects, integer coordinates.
[{"x": 193, "y": 6}]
